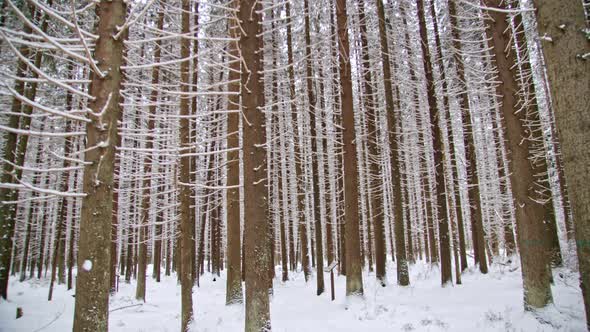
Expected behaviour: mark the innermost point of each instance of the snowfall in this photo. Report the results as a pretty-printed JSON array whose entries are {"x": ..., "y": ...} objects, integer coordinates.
[{"x": 491, "y": 302}]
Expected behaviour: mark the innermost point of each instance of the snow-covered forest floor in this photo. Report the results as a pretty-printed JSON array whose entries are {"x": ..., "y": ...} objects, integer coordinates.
[{"x": 491, "y": 302}]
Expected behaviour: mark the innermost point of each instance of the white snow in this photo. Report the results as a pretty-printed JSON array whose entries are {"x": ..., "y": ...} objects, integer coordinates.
[
  {"x": 87, "y": 266},
  {"x": 491, "y": 302}
]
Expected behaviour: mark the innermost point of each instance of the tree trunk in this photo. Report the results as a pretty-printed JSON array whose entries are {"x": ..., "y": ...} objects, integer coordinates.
[
  {"x": 354, "y": 277},
  {"x": 10, "y": 153},
  {"x": 186, "y": 225},
  {"x": 435, "y": 123},
  {"x": 474, "y": 201},
  {"x": 315, "y": 155},
  {"x": 234, "y": 246},
  {"x": 255, "y": 223},
  {"x": 570, "y": 91},
  {"x": 300, "y": 213},
  {"x": 403, "y": 277},
  {"x": 92, "y": 283},
  {"x": 375, "y": 174},
  {"x": 529, "y": 214}
]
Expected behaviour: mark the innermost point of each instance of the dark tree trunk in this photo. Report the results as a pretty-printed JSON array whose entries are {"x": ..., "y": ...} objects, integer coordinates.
[
  {"x": 435, "y": 123},
  {"x": 234, "y": 246}
]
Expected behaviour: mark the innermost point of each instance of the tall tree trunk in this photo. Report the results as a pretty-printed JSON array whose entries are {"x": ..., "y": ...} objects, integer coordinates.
[
  {"x": 570, "y": 91},
  {"x": 375, "y": 173},
  {"x": 474, "y": 202},
  {"x": 403, "y": 277},
  {"x": 92, "y": 284},
  {"x": 354, "y": 277},
  {"x": 10, "y": 154},
  {"x": 435, "y": 122},
  {"x": 234, "y": 247},
  {"x": 255, "y": 223},
  {"x": 193, "y": 159},
  {"x": 529, "y": 213},
  {"x": 300, "y": 213},
  {"x": 454, "y": 213},
  {"x": 147, "y": 168},
  {"x": 186, "y": 225},
  {"x": 539, "y": 148},
  {"x": 313, "y": 109}
]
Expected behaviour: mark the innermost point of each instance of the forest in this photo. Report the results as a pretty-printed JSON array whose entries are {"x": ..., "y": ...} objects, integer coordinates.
[{"x": 294, "y": 165}]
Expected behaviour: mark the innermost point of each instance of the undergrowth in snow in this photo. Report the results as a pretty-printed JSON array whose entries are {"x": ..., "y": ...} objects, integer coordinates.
[{"x": 491, "y": 302}]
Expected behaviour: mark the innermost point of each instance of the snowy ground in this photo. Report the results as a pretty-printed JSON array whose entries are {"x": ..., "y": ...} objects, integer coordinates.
[{"x": 490, "y": 302}]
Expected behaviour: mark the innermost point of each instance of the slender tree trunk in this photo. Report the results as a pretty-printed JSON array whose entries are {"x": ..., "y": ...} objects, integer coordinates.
[
  {"x": 184, "y": 196},
  {"x": 375, "y": 173},
  {"x": 450, "y": 186},
  {"x": 71, "y": 243},
  {"x": 315, "y": 155},
  {"x": 147, "y": 169},
  {"x": 469, "y": 143},
  {"x": 234, "y": 246},
  {"x": 10, "y": 153},
  {"x": 403, "y": 277},
  {"x": 61, "y": 219},
  {"x": 435, "y": 122},
  {"x": 300, "y": 213}
]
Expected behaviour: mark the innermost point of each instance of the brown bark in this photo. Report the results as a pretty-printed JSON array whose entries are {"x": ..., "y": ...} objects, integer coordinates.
[
  {"x": 529, "y": 214},
  {"x": 255, "y": 194},
  {"x": 92, "y": 283},
  {"x": 10, "y": 153},
  {"x": 456, "y": 212},
  {"x": 61, "y": 219},
  {"x": 375, "y": 172},
  {"x": 184, "y": 196},
  {"x": 234, "y": 247},
  {"x": 147, "y": 170},
  {"x": 403, "y": 277},
  {"x": 300, "y": 213},
  {"x": 319, "y": 251},
  {"x": 354, "y": 278},
  {"x": 472, "y": 174},
  {"x": 435, "y": 123},
  {"x": 570, "y": 91},
  {"x": 193, "y": 159}
]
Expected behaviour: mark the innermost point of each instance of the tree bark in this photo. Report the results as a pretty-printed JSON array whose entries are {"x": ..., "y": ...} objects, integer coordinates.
[
  {"x": 354, "y": 277},
  {"x": 255, "y": 224},
  {"x": 570, "y": 91},
  {"x": 474, "y": 201},
  {"x": 92, "y": 284},
  {"x": 435, "y": 123},
  {"x": 234, "y": 246},
  {"x": 529, "y": 214},
  {"x": 403, "y": 276},
  {"x": 315, "y": 155},
  {"x": 186, "y": 225}
]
